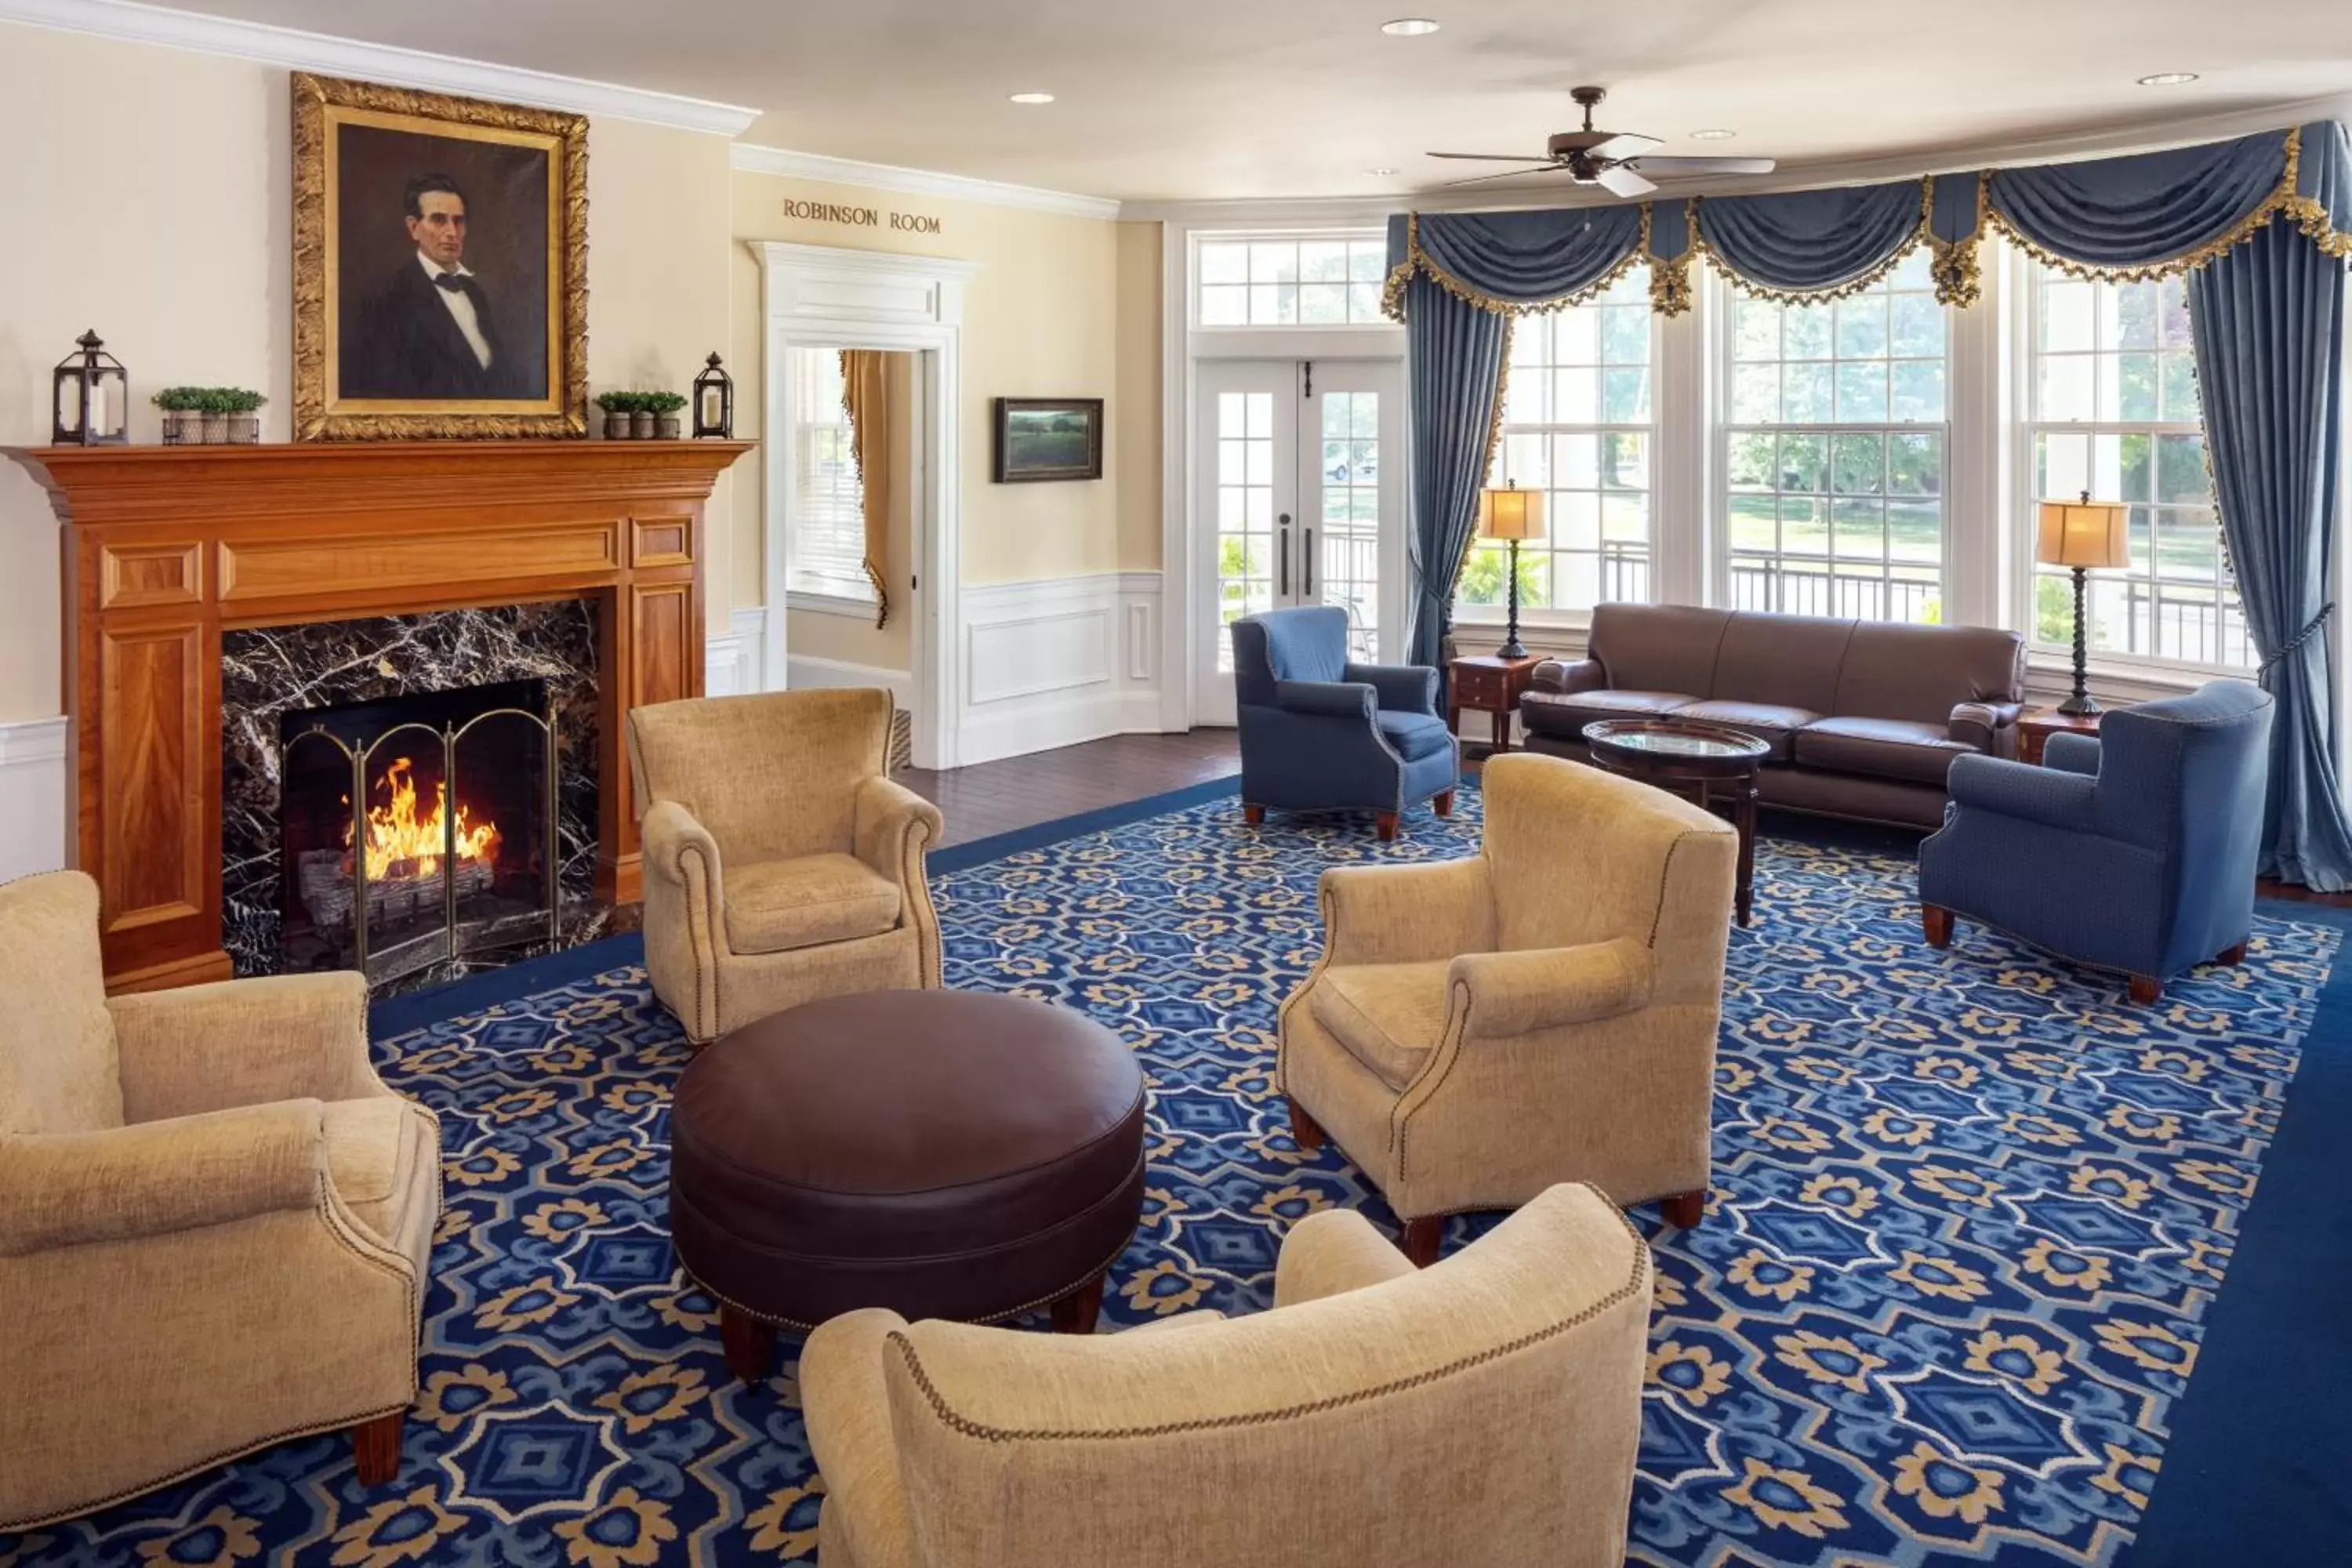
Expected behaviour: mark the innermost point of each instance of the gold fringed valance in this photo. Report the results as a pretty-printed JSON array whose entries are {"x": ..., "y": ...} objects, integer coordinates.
[{"x": 1418, "y": 260}]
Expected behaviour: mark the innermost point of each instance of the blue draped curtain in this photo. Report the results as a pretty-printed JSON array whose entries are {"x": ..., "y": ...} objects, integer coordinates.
[
  {"x": 2269, "y": 324},
  {"x": 1454, "y": 358}
]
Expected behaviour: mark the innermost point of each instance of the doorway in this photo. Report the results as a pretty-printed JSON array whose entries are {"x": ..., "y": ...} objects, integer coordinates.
[{"x": 1300, "y": 499}]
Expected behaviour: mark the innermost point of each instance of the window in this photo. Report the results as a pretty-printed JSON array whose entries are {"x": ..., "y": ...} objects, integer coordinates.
[
  {"x": 825, "y": 543},
  {"x": 1577, "y": 424},
  {"x": 2113, "y": 401},
  {"x": 1836, "y": 443},
  {"x": 1297, "y": 282}
]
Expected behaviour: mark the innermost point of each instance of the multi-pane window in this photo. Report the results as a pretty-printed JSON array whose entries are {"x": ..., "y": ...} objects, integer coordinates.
[
  {"x": 1578, "y": 426},
  {"x": 1297, "y": 282},
  {"x": 1836, "y": 445},
  {"x": 2113, "y": 412},
  {"x": 825, "y": 543},
  {"x": 1349, "y": 568}
]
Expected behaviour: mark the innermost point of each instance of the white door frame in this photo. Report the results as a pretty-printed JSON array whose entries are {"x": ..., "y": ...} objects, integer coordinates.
[{"x": 819, "y": 297}]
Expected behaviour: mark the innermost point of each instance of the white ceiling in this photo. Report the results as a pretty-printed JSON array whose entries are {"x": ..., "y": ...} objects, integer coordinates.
[{"x": 1229, "y": 99}]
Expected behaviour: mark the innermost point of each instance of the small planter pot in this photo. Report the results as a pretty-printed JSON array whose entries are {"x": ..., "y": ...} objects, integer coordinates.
[
  {"x": 617, "y": 426},
  {"x": 181, "y": 428},
  {"x": 665, "y": 427},
  {"x": 641, "y": 425},
  {"x": 215, "y": 429},
  {"x": 244, "y": 429}
]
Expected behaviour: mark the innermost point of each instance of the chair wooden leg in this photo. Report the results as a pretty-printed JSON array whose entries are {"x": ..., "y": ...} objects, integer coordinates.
[
  {"x": 1683, "y": 1210},
  {"x": 750, "y": 1344},
  {"x": 2232, "y": 956},
  {"x": 376, "y": 1449},
  {"x": 1422, "y": 1239},
  {"x": 1252, "y": 814},
  {"x": 1443, "y": 803},
  {"x": 1939, "y": 924},
  {"x": 1304, "y": 1130},
  {"x": 2144, "y": 990},
  {"x": 1386, "y": 827},
  {"x": 1076, "y": 1312}
]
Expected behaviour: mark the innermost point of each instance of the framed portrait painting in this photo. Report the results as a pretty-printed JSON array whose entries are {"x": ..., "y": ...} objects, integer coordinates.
[
  {"x": 440, "y": 265},
  {"x": 1040, "y": 438}
]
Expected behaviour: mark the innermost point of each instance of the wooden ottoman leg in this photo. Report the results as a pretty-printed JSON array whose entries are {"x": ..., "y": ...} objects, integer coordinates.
[
  {"x": 1076, "y": 1312},
  {"x": 750, "y": 1344},
  {"x": 1938, "y": 923},
  {"x": 1304, "y": 1132},
  {"x": 1424, "y": 1239},
  {"x": 1386, "y": 827},
  {"x": 376, "y": 1449}
]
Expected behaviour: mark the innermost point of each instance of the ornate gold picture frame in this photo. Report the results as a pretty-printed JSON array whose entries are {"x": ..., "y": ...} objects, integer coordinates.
[{"x": 440, "y": 265}]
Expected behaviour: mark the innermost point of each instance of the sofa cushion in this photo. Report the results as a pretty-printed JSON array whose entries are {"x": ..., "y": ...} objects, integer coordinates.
[
  {"x": 1921, "y": 673},
  {"x": 1414, "y": 735},
  {"x": 1566, "y": 713},
  {"x": 775, "y": 906},
  {"x": 1774, "y": 725},
  {"x": 1658, "y": 648},
  {"x": 1785, "y": 661},
  {"x": 372, "y": 1149},
  {"x": 1389, "y": 1016},
  {"x": 1887, "y": 748}
]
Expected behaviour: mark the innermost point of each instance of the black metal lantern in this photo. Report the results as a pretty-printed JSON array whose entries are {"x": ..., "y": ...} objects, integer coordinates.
[
  {"x": 714, "y": 401},
  {"x": 91, "y": 406}
]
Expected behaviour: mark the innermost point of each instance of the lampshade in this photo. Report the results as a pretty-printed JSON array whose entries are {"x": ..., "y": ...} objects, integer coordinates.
[
  {"x": 2084, "y": 532},
  {"x": 1508, "y": 513}
]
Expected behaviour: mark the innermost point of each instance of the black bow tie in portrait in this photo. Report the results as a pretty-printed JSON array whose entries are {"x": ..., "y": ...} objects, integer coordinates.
[{"x": 450, "y": 280}]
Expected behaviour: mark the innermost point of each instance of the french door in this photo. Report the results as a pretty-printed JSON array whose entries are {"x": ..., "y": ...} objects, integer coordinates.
[{"x": 1299, "y": 500}]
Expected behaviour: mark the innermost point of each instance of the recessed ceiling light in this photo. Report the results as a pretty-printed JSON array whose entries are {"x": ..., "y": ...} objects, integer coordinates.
[
  {"x": 1033, "y": 98},
  {"x": 2167, "y": 79},
  {"x": 1378, "y": 172},
  {"x": 1409, "y": 28},
  {"x": 1713, "y": 135}
]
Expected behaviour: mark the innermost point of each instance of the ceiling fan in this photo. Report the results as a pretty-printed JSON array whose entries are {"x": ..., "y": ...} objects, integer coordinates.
[{"x": 1615, "y": 161}]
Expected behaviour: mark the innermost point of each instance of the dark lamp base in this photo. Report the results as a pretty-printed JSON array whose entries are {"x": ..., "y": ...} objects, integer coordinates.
[
  {"x": 2080, "y": 707},
  {"x": 1512, "y": 649}
]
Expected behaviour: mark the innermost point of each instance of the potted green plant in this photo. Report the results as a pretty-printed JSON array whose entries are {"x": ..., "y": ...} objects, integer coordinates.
[
  {"x": 183, "y": 410},
  {"x": 641, "y": 415},
  {"x": 665, "y": 406},
  {"x": 240, "y": 415},
  {"x": 618, "y": 407}
]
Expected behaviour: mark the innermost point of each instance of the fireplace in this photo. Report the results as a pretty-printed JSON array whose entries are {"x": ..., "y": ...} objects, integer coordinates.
[{"x": 418, "y": 832}]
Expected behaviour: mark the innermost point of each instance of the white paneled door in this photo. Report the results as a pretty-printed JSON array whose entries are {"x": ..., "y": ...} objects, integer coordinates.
[{"x": 1299, "y": 500}]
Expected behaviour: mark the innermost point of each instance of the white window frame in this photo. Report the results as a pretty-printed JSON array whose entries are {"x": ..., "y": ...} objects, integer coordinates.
[
  {"x": 832, "y": 585},
  {"x": 1721, "y": 299},
  {"x": 2019, "y": 274},
  {"x": 1351, "y": 234}
]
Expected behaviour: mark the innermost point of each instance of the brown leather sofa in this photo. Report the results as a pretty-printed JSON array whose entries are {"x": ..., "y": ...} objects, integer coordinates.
[{"x": 1864, "y": 717}]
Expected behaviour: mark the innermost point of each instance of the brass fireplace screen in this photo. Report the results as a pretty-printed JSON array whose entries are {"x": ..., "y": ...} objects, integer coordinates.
[{"x": 417, "y": 834}]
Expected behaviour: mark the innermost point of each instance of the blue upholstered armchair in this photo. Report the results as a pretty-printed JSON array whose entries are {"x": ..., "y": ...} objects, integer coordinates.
[
  {"x": 1319, "y": 733},
  {"x": 2135, "y": 851}
]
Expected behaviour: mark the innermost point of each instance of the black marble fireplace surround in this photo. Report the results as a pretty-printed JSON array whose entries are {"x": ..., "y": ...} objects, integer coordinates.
[{"x": 268, "y": 672}]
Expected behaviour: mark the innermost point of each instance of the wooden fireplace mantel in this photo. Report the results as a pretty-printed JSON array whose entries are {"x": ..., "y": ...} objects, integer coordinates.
[{"x": 167, "y": 547}]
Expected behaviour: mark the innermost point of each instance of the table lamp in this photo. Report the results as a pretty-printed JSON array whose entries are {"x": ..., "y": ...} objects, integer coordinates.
[
  {"x": 1509, "y": 512},
  {"x": 2081, "y": 534}
]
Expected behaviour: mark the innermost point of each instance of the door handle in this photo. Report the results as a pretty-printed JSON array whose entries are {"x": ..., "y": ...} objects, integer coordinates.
[
  {"x": 1282, "y": 556},
  {"x": 1306, "y": 565}
]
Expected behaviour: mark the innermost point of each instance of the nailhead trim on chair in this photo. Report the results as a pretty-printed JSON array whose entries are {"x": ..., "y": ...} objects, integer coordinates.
[{"x": 967, "y": 1427}]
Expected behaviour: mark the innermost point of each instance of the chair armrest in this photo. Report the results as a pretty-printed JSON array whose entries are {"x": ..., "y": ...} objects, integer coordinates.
[
  {"x": 1399, "y": 687},
  {"x": 1989, "y": 727},
  {"x": 2071, "y": 753},
  {"x": 1406, "y": 914},
  {"x": 1340, "y": 698},
  {"x": 846, "y": 1405},
  {"x": 2047, "y": 796},
  {"x": 893, "y": 828},
  {"x": 1544, "y": 987},
  {"x": 1557, "y": 675},
  {"x": 67, "y": 1188},
  {"x": 680, "y": 853},
  {"x": 1333, "y": 1251},
  {"x": 243, "y": 1042}
]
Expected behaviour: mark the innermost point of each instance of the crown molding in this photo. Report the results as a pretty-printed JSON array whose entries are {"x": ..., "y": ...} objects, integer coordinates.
[
  {"x": 158, "y": 24},
  {"x": 782, "y": 161}
]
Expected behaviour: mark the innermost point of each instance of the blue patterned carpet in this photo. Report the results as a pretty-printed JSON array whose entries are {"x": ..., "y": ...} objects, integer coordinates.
[{"x": 1969, "y": 1215}]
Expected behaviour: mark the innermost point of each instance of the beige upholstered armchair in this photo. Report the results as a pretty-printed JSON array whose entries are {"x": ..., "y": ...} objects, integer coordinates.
[
  {"x": 214, "y": 1220},
  {"x": 1542, "y": 1012},
  {"x": 1486, "y": 1411},
  {"x": 782, "y": 863}
]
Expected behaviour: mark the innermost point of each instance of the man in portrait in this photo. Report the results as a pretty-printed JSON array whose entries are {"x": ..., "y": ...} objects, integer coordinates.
[{"x": 429, "y": 331}]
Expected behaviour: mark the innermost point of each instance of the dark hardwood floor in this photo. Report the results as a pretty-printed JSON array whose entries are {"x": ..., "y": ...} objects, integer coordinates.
[{"x": 989, "y": 798}]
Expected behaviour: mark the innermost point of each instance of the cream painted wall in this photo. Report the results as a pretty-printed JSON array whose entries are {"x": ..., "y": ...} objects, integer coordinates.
[
  {"x": 164, "y": 221},
  {"x": 1059, "y": 307}
]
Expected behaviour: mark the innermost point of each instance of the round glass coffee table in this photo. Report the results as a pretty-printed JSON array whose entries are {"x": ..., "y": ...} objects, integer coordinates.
[{"x": 1686, "y": 757}]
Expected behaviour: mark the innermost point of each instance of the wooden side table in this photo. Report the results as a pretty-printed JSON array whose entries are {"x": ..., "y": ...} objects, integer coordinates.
[
  {"x": 2036, "y": 725},
  {"x": 1487, "y": 684}
]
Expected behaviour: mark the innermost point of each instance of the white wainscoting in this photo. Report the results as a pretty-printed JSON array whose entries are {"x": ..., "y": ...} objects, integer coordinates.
[
  {"x": 735, "y": 661},
  {"x": 1052, "y": 663},
  {"x": 35, "y": 832}
]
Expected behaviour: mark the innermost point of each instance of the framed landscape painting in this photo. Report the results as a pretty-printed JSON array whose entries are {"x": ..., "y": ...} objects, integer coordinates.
[
  {"x": 440, "y": 265},
  {"x": 1048, "y": 438}
]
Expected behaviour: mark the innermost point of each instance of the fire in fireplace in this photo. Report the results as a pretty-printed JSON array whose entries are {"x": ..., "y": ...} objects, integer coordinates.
[{"x": 418, "y": 830}]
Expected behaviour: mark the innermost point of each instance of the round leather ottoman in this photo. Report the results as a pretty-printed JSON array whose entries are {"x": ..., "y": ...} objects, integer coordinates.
[{"x": 944, "y": 1153}]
